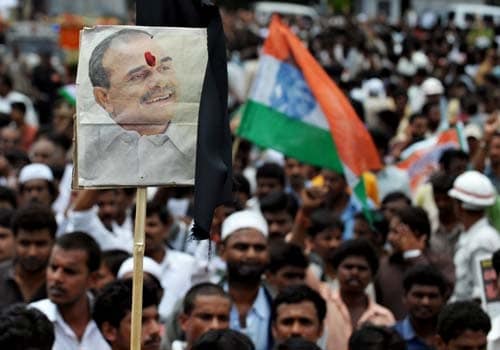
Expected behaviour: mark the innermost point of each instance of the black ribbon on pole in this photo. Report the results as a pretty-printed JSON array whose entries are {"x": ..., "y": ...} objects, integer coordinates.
[{"x": 213, "y": 179}]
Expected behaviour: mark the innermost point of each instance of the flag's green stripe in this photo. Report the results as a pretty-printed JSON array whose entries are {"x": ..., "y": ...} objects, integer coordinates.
[
  {"x": 360, "y": 193},
  {"x": 271, "y": 129}
]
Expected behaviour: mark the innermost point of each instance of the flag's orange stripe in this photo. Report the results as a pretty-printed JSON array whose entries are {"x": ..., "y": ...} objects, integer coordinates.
[{"x": 355, "y": 146}]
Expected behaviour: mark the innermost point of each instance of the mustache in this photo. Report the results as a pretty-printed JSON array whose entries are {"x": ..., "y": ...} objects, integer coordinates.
[
  {"x": 157, "y": 93},
  {"x": 154, "y": 339}
]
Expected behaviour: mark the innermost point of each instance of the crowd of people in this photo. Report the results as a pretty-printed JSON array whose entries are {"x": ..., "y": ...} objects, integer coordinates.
[{"x": 295, "y": 261}]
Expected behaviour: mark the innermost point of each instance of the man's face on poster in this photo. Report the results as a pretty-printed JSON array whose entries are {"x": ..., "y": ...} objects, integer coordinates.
[{"x": 143, "y": 89}]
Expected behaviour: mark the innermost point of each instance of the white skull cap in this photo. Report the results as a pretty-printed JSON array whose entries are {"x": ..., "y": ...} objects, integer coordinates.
[{"x": 244, "y": 219}]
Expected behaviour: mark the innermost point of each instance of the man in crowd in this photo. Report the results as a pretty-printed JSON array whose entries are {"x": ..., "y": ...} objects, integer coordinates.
[
  {"x": 287, "y": 266},
  {"x": 23, "y": 279},
  {"x": 178, "y": 270},
  {"x": 298, "y": 311},
  {"x": 112, "y": 314},
  {"x": 25, "y": 328},
  {"x": 73, "y": 265},
  {"x": 279, "y": 209},
  {"x": 473, "y": 192},
  {"x": 36, "y": 185},
  {"x": 355, "y": 262},
  {"x": 245, "y": 251},
  {"x": 206, "y": 307},
  {"x": 7, "y": 240},
  {"x": 462, "y": 325},
  {"x": 425, "y": 291},
  {"x": 95, "y": 212},
  {"x": 409, "y": 231}
]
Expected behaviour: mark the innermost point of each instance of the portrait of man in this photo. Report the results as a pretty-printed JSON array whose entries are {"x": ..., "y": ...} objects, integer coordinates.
[{"x": 137, "y": 105}]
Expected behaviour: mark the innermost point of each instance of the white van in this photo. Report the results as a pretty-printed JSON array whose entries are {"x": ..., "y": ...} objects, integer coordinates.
[
  {"x": 265, "y": 9},
  {"x": 462, "y": 13}
]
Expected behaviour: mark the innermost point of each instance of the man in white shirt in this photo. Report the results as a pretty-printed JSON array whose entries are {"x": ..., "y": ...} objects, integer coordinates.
[
  {"x": 112, "y": 313},
  {"x": 95, "y": 212},
  {"x": 179, "y": 271},
  {"x": 474, "y": 193},
  {"x": 72, "y": 270}
]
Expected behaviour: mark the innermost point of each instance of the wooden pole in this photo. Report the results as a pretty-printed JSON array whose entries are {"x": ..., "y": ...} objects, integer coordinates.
[
  {"x": 236, "y": 145},
  {"x": 139, "y": 244}
]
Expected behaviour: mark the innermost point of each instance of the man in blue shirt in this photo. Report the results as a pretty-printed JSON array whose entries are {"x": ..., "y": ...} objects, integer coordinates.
[{"x": 425, "y": 294}]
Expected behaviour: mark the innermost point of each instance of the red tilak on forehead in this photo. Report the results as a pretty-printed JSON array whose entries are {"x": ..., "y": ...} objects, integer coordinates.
[{"x": 150, "y": 58}]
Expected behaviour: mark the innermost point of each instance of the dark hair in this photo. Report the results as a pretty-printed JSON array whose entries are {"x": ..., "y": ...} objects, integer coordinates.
[
  {"x": 279, "y": 201},
  {"x": 426, "y": 108},
  {"x": 6, "y": 217},
  {"x": 396, "y": 196},
  {"x": 425, "y": 275},
  {"x": 6, "y": 80},
  {"x": 82, "y": 241},
  {"x": 8, "y": 195},
  {"x": 23, "y": 328},
  {"x": 371, "y": 337},
  {"x": 495, "y": 259},
  {"x": 223, "y": 339},
  {"x": 202, "y": 289},
  {"x": 286, "y": 254},
  {"x": 417, "y": 220},
  {"x": 297, "y": 294},
  {"x": 154, "y": 208},
  {"x": 20, "y": 106},
  {"x": 441, "y": 182},
  {"x": 115, "y": 301},
  {"x": 417, "y": 116},
  {"x": 356, "y": 247},
  {"x": 53, "y": 190},
  {"x": 97, "y": 73},
  {"x": 297, "y": 344},
  {"x": 451, "y": 154},
  {"x": 113, "y": 259},
  {"x": 458, "y": 317},
  {"x": 271, "y": 170},
  {"x": 34, "y": 218},
  {"x": 241, "y": 184},
  {"x": 323, "y": 219}
]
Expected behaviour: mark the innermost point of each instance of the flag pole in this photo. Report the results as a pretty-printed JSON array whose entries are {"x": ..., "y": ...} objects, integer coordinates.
[
  {"x": 139, "y": 244},
  {"x": 236, "y": 145}
]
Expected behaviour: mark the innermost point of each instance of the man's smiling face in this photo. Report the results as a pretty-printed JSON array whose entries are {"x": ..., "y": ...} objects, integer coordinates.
[{"x": 143, "y": 86}]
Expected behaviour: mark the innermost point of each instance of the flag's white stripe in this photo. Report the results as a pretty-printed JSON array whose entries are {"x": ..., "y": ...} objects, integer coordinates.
[{"x": 265, "y": 83}]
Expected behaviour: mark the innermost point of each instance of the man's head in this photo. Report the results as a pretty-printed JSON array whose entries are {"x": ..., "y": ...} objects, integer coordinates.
[
  {"x": 418, "y": 126},
  {"x": 24, "y": 328},
  {"x": 7, "y": 241},
  {"x": 279, "y": 209},
  {"x": 462, "y": 325},
  {"x": 325, "y": 233},
  {"x": 425, "y": 292},
  {"x": 494, "y": 149},
  {"x": 134, "y": 81},
  {"x": 270, "y": 178},
  {"x": 111, "y": 260},
  {"x": 453, "y": 162},
  {"x": 206, "y": 307},
  {"x": 112, "y": 314},
  {"x": 34, "y": 230},
  {"x": 43, "y": 151},
  {"x": 72, "y": 270},
  {"x": 108, "y": 208},
  {"x": 370, "y": 337},
  {"x": 473, "y": 192},
  {"x": 298, "y": 311},
  {"x": 355, "y": 262},
  {"x": 244, "y": 246},
  {"x": 417, "y": 223},
  {"x": 441, "y": 183},
  {"x": 294, "y": 171},
  {"x": 336, "y": 183},
  {"x": 10, "y": 139},
  {"x": 374, "y": 232},
  {"x": 17, "y": 112},
  {"x": 158, "y": 223},
  {"x": 287, "y": 266},
  {"x": 223, "y": 339},
  {"x": 392, "y": 202},
  {"x": 36, "y": 185}
]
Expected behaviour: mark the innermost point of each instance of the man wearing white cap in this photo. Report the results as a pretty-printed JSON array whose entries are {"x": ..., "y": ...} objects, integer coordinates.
[
  {"x": 474, "y": 193},
  {"x": 245, "y": 250},
  {"x": 36, "y": 185}
]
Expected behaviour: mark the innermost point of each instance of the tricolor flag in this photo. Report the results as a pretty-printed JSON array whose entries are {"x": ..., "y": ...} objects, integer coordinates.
[
  {"x": 68, "y": 92},
  {"x": 295, "y": 108},
  {"x": 421, "y": 159}
]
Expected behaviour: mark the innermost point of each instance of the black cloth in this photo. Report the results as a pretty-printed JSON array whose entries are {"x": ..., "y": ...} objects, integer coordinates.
[
  {"x": 9, "y": 290},
  {"x": 213, "y": 181}
]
